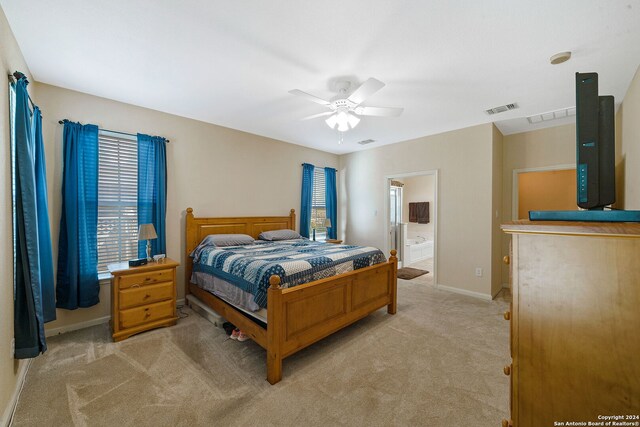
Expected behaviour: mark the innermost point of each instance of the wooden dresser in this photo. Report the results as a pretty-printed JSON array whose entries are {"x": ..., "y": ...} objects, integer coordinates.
[
  {"x": 142, "y": 298},
  {"x": 575, "y": 322}
]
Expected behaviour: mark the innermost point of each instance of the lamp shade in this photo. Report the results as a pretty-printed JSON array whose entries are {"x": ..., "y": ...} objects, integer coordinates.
[
  {"x": 327, "y": 222},
  {"x": 146, "y": 232}
]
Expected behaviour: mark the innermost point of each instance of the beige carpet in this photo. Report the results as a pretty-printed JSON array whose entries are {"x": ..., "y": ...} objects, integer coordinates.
[{"x": 438, "y": 362}]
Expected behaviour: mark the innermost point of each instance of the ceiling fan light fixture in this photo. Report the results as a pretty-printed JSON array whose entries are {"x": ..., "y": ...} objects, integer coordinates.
[
  {"x": 342, "y": 121},
  {"x": 332, "y": 121},
  {"x": 353, "y": 121}
]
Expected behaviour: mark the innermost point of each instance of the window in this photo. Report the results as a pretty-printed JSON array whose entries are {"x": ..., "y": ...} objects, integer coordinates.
[
  {"x": 117, "y": 199},
  {"x": 318, "y": 204}
]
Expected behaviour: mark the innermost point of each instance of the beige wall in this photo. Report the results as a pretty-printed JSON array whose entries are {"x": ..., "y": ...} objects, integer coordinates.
[
  {"x": 629, "y": 161},
  {"x": 496, "y": 210},
  {"x": 215, "y": 170},
  {"x": 540, "y": 148},
  {"x": 419, "y": 189},
  {"x": 11, "y": 60},
  {"x": 464, "y": 160}
]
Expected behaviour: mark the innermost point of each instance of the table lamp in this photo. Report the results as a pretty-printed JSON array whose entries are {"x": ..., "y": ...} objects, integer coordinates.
[{"x": 147, "y": 232}]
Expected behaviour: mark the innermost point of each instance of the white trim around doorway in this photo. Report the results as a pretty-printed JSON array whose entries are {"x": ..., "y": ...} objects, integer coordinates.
[{"x": 387, "y": 201}]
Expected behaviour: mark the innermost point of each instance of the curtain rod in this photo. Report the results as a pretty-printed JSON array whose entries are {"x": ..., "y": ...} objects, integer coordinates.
[
  {"x": 320, "y": 167},
  {"x": 17, "y": 75},
  {"x": 112, "y": 131}
]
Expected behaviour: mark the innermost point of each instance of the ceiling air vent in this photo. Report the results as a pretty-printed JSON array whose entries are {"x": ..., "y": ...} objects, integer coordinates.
[
  {"x": 366, "y": 141},
  {"x": 501, "y": 109},
  {"x": 552, "y": 115}
]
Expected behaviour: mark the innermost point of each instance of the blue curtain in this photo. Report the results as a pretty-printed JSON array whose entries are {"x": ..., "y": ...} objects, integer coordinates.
[
  {"x": 77, "y": 284},
  {"x": 331, "y": 201},
  {"x": 33, "y": 282},
  {"x": 44, "y": 231},
  {"x": 152, "y": 190},
  {"x": 306, "y": 199}
]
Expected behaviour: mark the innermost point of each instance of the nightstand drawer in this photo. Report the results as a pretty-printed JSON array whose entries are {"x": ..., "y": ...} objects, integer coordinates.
[
  {"x": 132, "y": 297},
  {"x": 148, "y": 278},
  {"x": 147, "y": 313}
]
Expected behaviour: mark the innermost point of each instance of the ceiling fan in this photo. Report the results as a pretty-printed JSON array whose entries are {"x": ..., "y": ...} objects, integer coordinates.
[{"x": 346, "y": 109}]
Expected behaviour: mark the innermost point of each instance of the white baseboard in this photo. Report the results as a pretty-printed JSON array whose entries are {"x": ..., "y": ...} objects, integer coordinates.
[
  {"x": 76, "y": 326},
  {"x": 13, "y": 402},
  {"x": 86, "y": 324},
  {"x": 478, "y": 295}
]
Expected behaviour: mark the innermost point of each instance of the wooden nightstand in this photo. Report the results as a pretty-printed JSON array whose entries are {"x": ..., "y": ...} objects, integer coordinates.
[
  {"x": 142, "y": 298},
  {"x": 334, "y": 241}
]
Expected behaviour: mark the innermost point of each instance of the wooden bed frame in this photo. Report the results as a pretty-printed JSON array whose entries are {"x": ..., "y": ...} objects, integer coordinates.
[{"x": 298, "y": 316}]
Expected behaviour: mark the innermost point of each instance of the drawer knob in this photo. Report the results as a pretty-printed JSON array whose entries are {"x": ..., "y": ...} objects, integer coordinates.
[
  {"x": 147, "y": 279},
  {"x": 507, "y": 370},
  {"x": 147, "y": 315},
  {"x": 147, "y": 296},
  {"x": 507, "y": 315},
  {"x": 507, "y": 423},
  {"x": 506, "y": 259}
]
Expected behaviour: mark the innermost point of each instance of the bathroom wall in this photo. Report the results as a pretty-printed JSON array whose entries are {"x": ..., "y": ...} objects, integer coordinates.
[{"x": 418, "y": 189}]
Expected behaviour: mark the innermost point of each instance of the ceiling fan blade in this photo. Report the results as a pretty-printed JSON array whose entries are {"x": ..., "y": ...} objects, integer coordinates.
[
  {"x": 310, "y": 97},
  {"x": 315, "y": 116},
  {"x": 379, "y": 111},
  {"x": 365, "y": 90}
]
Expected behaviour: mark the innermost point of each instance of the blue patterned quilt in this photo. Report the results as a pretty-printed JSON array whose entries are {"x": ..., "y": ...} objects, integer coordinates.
[{"x": 295, "y": 261}]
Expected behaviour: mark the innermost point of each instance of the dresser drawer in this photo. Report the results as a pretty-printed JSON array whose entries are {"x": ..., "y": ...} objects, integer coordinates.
[
  {"x": 147, "y": 313},
  {"x": 132, "y": 297},
  {"x": 148, "y": 278}
]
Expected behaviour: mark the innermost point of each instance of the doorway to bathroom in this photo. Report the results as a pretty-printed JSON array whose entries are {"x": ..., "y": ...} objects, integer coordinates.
[{"x": 412, "y": 222}]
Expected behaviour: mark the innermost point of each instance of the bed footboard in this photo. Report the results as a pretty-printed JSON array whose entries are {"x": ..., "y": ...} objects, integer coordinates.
[{"x": 299, "y": 316}]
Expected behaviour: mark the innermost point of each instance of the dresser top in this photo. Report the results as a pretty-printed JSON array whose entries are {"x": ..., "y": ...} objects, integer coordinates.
[
  {"x": 603, "y": 229},
  {"x": 123, "y": 267}
]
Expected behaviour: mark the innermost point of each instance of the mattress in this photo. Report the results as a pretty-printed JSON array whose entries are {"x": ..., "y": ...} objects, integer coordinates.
[
  {"x": 240, "y": 274},
  {"x": 229, "y": 293}
]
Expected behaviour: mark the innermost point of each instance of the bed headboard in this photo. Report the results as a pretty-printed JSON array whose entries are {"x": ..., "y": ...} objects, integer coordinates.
[{"x": 198, "y": 228}]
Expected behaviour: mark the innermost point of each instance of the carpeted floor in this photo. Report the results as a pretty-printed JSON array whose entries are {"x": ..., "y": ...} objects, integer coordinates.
[{"x": 438, "y": 362}]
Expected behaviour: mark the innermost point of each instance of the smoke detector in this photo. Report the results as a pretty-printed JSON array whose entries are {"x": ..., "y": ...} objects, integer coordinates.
[{"x": 559, "y": 58}]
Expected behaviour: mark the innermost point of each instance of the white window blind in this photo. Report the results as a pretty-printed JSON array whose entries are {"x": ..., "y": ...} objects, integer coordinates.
[
  {"x": 117, "y": 199},
  {"x": 318, "y": 204}
]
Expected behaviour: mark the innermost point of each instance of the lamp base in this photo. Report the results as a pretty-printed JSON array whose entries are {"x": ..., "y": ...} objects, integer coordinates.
[{"x": 149, "y": 259}]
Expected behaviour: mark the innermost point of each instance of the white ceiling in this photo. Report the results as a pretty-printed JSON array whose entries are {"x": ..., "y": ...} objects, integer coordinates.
[{"x": 232, "y": 62}]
